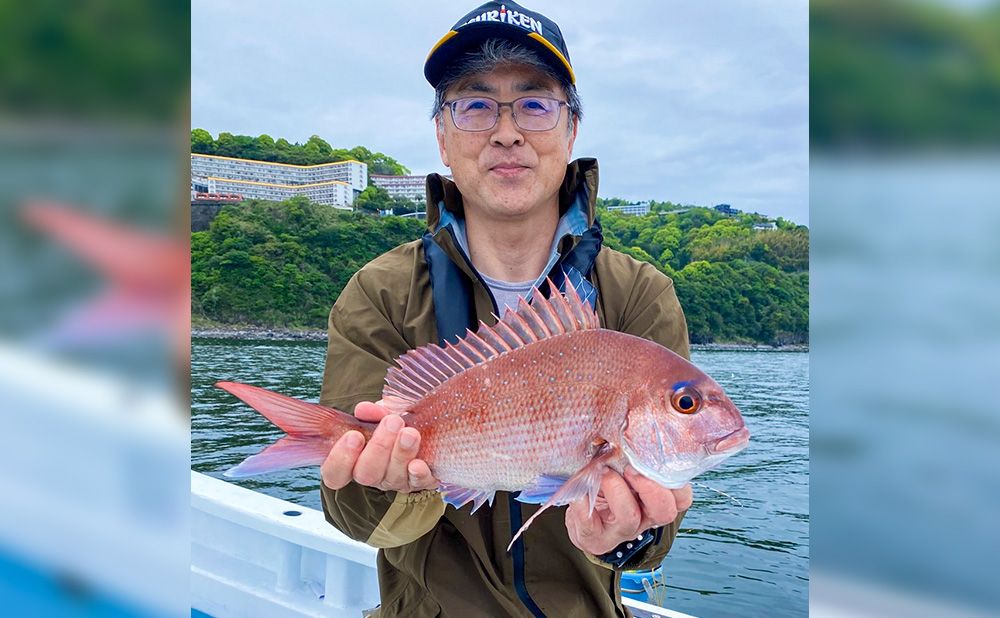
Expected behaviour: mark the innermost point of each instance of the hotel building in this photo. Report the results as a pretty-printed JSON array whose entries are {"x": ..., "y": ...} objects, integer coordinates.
[
  {"x": 637, "y": 209},
  {"x": 331, "y": 184}
]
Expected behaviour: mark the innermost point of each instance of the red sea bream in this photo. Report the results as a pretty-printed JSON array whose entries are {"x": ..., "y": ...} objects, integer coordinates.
[{"x": 540, "y": 403}]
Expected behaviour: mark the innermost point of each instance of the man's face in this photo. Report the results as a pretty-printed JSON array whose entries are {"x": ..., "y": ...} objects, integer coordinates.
[{"x": 507, "y": 173}]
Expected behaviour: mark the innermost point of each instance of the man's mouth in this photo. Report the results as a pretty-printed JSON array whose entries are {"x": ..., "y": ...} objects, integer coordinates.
[{"x": 508, "y": 169}]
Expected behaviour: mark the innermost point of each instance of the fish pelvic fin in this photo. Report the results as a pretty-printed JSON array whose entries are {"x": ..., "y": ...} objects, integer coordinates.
[
  {"x": 421, "y": 371},
  {"x": 586, "y": 483},
  {"x": 312, "y": 429},
  {"x": 542, "y": 489}
]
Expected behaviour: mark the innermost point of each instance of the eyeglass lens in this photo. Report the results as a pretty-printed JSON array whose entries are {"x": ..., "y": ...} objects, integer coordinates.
[{"x": 481, "y": 113}]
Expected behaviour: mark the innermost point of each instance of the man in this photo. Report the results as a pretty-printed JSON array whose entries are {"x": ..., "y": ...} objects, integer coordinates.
[{"x": 506, "y": 115}]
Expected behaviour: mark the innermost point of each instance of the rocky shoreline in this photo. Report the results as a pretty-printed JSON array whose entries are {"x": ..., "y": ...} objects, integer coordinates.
[
  {"x": 252, "y": 333},
  {"x": 751, "y": 347}
]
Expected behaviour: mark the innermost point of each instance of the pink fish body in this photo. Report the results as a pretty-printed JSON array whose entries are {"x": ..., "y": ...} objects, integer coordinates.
[{"x": 540, "y": 403}]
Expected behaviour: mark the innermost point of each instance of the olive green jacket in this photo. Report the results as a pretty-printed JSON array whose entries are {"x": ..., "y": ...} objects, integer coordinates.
[{"x": 433, "y": 559}]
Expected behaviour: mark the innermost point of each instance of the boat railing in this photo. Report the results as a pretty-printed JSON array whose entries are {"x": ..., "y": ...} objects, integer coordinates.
[{"x": 254, "y": 555}]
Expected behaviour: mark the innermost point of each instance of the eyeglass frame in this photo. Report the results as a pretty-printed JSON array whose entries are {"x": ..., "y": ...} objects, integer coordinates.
[{"x": 496, "y": 118}]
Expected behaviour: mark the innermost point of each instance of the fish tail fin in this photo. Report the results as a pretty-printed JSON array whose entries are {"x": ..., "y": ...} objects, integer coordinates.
[
  {"x": 312, "y": 430},
  {"x": 288, "y": 452}
]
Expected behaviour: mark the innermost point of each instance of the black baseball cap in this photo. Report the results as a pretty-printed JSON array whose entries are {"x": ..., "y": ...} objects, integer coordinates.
[{"x": 500, "y": 20}]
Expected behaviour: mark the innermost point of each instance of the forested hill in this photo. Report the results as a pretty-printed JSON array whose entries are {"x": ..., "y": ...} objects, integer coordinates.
[
  {"x": 735, "y": 283},
  {"x": 283, "y": 265},
  {"x": 265, "y": 148}
]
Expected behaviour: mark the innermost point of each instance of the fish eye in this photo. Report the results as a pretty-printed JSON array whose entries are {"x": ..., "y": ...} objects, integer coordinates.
[{"x": 686, "y": 401}]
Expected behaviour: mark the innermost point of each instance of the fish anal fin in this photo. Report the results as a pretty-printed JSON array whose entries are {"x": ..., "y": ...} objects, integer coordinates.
[
  {"x": 585, "y": 483},
  {"x": 458, "y": 496}
]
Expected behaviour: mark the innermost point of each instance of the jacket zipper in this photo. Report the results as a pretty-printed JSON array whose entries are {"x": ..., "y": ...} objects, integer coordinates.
[
  {"x": 517, "y": 551},
  {"x": 517, "y": 554}
]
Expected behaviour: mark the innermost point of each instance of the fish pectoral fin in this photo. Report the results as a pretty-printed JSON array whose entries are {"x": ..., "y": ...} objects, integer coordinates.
[
  {"x": 458, "y": 496},
  {"x": 585, "y": 483}
]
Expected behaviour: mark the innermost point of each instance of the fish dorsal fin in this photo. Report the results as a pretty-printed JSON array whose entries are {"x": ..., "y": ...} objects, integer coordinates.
[{"x": 422, "y": 370}]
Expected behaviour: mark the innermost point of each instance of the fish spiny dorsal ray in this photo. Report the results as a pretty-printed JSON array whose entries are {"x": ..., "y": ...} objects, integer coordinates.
[{"x": 422, "y": 370}]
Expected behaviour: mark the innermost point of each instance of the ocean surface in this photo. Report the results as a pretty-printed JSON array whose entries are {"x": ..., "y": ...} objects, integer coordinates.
[{"x": 742, "y": 556}]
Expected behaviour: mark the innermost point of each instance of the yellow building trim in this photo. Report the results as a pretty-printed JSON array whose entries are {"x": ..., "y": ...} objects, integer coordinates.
[
  {"x": 198, "y": 154},
  {"x": 271, "y": 184}
]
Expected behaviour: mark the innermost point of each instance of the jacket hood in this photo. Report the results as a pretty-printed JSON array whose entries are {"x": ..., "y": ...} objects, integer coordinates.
[{"x": 580, "y": 182}]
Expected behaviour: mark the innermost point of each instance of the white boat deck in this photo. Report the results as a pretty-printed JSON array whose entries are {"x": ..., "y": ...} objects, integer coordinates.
[{"x": 255, "y": 556}]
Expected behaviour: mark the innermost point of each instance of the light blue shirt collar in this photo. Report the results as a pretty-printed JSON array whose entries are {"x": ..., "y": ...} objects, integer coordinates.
[{"x": 573, "y": 223}]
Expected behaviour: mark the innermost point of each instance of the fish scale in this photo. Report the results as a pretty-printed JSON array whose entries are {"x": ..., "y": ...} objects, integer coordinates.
[
  {"x": 559, "y": 418},
  {"x": 542, "y": 402}
]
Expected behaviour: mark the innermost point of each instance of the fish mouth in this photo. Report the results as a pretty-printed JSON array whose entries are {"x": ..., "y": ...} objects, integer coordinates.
[{"x": 730, "y": 443}]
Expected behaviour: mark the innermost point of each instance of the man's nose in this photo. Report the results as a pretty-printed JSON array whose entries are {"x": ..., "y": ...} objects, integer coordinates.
[{"x": 506, "y": 133}]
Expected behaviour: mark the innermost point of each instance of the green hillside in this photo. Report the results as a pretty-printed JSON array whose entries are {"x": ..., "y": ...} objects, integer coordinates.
[{"x": 284, "y": 264}]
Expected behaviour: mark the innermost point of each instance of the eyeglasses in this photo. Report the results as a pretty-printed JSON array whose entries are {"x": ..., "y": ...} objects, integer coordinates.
[{"x": 529, "y": 113}]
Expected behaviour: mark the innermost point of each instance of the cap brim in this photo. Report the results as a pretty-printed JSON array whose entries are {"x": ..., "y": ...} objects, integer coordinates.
[{"x": 457, "y": 42}]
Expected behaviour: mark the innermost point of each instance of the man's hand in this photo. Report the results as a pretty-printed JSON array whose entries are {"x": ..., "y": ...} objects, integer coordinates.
[
  {"x": 626, "y": 506},
  {"x": 387, "y": 462}
]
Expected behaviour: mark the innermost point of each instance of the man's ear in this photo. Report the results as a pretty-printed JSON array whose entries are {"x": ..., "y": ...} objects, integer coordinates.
[
  {"x": 439, "y": 130},
  {"x": 572, "y": 136}
]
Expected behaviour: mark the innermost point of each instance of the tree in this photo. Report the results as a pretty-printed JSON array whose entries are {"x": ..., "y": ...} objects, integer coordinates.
[
  {"x": 266, "y": 148},
  {"x": 373, "y": 199},
  {"x": 202, "y": 142},
  {"x": 316, "y": 150},
  {"x": 226, "y": 145},
  {"x": 324, "y": 149},
  {"x": 284, "y": 263}
]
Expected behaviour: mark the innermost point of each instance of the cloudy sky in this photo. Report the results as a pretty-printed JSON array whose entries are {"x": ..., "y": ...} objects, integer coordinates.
[{"x": 699, "y": 103}]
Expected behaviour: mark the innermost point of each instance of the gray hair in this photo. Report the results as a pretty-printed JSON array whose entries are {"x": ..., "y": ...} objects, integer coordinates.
[{"x": 495, "y": 53}]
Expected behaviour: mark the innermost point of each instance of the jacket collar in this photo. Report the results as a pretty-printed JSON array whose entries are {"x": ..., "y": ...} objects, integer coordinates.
[{"x": 578, "y": 193}]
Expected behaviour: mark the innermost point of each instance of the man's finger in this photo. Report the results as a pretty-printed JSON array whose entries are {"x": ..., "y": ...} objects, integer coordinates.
[
  {"x": 372, "y": 463},
  {"x": 581, "y": 524},
  {"x": 684, "y": 497},
  {"x": 338, "y": 468},
  {"x": 420, "y": 475},
  {"x": 397, "y": 476},
  {"x": 370, "y": 412},
  {"x": 624, "y": 513},
  {"x": 659, "y": 505}
]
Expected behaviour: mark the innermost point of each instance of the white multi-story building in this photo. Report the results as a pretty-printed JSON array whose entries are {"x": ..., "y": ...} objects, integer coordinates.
[
  {"x": 638, "y": 209},
  {"x": 413, "y": 188},
  {"x": 332, "y": 184}
]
